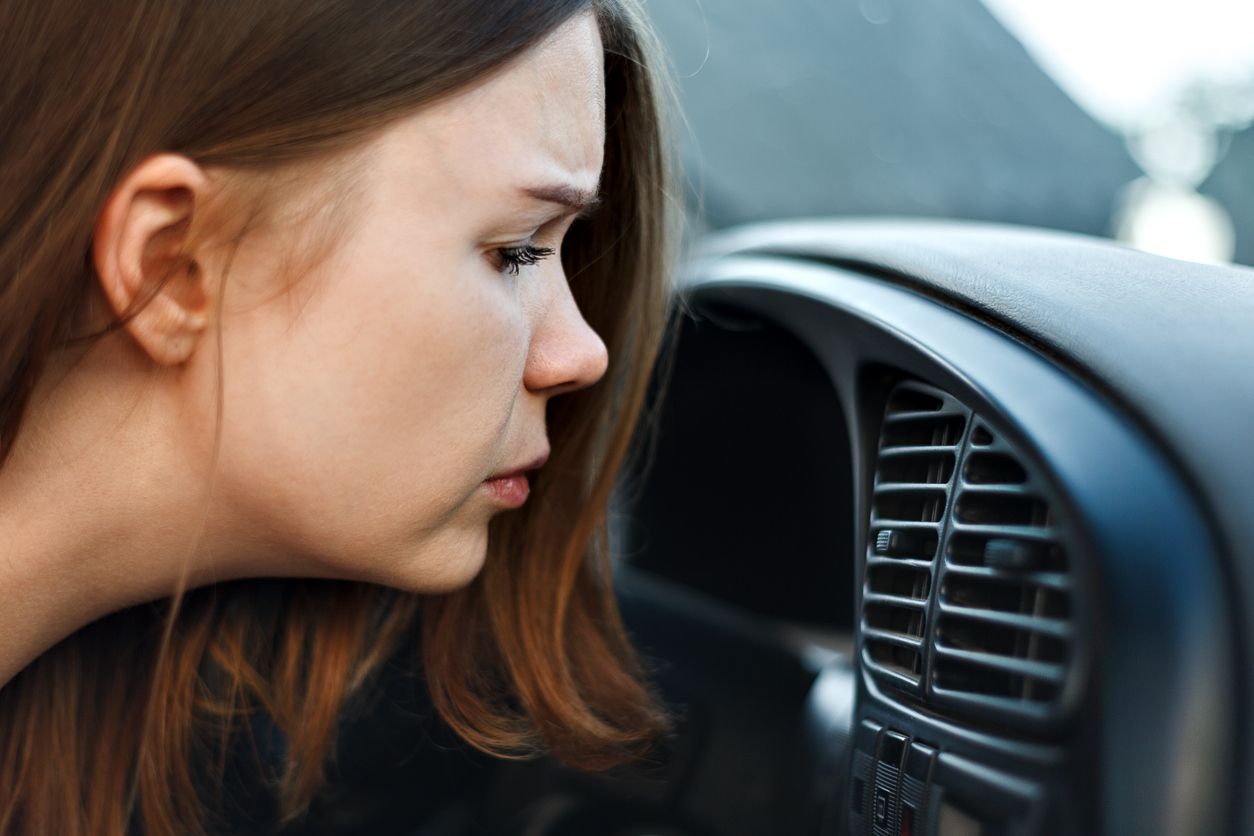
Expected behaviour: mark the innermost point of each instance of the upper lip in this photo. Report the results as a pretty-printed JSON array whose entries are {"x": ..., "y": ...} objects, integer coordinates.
[{"x": 534, "y": 464}]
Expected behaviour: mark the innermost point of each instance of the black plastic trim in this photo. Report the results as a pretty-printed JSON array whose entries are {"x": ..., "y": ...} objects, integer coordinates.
[{"x": 1151, "y": 753}]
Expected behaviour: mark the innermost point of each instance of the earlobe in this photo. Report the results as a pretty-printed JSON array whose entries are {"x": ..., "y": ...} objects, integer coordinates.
[{"x": 146, "y": 259}]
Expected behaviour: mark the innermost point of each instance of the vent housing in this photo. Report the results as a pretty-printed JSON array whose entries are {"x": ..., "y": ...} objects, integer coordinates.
[{"x": 967, "y": 594}]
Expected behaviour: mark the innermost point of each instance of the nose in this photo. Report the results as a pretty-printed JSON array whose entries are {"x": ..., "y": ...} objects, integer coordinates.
[{"x": 565, "y": 354}]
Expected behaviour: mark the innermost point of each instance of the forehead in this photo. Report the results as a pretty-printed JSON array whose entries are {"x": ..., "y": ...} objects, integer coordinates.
[{"x": 539, "y": 118}]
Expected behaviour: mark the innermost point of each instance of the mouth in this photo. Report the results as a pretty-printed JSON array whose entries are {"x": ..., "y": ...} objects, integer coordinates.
[
  {"x": 510, "y": 491},
  {"x": 512, "y": 487}
]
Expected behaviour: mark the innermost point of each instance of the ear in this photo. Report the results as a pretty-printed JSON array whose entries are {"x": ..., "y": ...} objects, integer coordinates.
[{"x": 144, "y": 260}]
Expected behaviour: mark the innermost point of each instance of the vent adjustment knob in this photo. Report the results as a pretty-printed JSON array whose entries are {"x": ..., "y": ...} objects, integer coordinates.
[
  {"x": 894, "y": 542},
  {"x": 1014, "y": 555}
]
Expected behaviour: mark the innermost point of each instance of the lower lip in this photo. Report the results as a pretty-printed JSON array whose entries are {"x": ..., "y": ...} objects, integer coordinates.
[{"x": 511, "y": 491}]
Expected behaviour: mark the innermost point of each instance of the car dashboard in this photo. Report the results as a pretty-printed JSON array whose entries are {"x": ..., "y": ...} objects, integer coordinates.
[{"x": 1016, "y": 605}]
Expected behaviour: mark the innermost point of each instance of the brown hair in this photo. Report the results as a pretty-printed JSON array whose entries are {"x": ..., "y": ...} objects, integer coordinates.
[{"x": 532, "y": 655}]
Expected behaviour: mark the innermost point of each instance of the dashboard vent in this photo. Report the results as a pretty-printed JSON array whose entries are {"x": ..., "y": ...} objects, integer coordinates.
[
  {"x": 967, "y": 594},
  {"x": 918, "y": 456}
]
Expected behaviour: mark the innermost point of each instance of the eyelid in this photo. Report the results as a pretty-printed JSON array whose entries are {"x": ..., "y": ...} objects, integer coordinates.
[
  {"x": 514, "y": 258},
  {"x": 552, "y": 232}
]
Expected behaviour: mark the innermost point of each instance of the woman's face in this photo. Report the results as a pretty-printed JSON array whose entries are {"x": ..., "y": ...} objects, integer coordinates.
[{"x": 366, "y": 402}]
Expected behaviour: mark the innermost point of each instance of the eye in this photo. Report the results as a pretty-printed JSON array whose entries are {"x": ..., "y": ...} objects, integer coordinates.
[{"x": 513, "y": 259}]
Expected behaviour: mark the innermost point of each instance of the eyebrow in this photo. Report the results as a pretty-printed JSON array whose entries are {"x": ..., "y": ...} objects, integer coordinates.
[{"x": 580, "y": 200}]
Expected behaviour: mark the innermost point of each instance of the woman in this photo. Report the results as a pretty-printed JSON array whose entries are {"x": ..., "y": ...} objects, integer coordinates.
[{"x": 305, "y": 290}]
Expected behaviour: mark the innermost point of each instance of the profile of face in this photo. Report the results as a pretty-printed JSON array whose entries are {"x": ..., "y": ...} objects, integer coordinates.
[{"x": 365, "y": 401}]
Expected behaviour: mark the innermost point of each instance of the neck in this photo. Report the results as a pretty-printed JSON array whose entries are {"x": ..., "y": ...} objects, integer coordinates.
[{"x": 97, "y": 510}]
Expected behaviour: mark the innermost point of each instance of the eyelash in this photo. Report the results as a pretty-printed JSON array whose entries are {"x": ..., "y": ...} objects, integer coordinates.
[{"x": 513, "y": 259}]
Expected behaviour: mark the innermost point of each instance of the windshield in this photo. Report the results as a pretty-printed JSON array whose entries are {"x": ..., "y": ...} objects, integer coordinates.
[{"x": 1108, "y": 117}]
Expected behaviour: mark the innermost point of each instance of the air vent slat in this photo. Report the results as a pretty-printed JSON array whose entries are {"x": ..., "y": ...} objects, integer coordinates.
[
  {"x": 1055, "y": 674},
  {"x": 915, "y": 450},
  {"x": 932, "y": 431},
  {"x": 893, "y": 638},
  {"x": 898, "y": 665},
  {"x": 987, "y": 692},
  {"x": 916, "y": 525},
  {"x": 873, "y": 563},
  {"x": 896, "y": 600},
  {"x": 1045, "y": 626},
  {"x": 1051, "y": 580},
  {"x": 1008, "y": 591},
  {"x": 977, "y": 491},
  {"x": 884, "y": 489},
  {"x": 1022, "y": 532},
  {"x": 920, "y": 415}
]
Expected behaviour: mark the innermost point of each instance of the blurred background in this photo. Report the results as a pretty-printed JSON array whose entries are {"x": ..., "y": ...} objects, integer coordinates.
[{"x": 1120, "y": 118}]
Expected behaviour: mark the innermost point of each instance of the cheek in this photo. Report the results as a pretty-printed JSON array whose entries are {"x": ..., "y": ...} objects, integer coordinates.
[{"x": 384, "y": 398}]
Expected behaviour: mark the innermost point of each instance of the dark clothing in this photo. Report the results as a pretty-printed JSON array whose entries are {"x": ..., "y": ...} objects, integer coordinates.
[{"x": 398, "y": 770}]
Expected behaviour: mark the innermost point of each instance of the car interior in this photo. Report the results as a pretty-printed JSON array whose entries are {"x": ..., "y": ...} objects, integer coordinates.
[{"x": 935, "y": 541}]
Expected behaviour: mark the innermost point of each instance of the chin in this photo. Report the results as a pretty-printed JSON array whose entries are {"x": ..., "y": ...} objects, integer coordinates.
[{"x": 444, "y": 565}]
